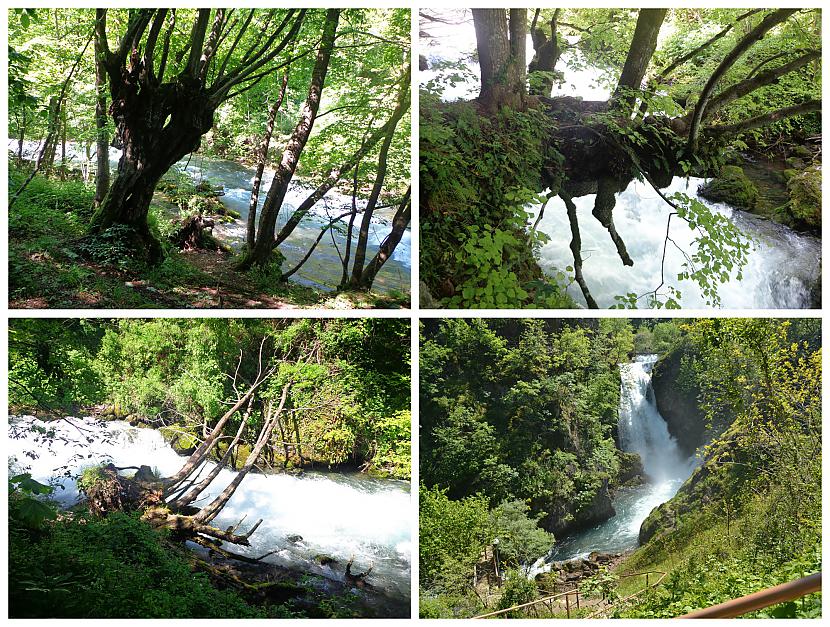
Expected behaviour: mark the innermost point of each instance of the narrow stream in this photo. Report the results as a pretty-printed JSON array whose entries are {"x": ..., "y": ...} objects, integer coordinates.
[
  {"x": 315, "y": 514},
  {"x": 642, "y": 430},
  {"x": 323, "y": 269}
]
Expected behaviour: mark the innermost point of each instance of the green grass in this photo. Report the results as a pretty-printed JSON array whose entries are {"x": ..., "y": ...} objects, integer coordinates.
[{"x": 54, "y": 263}]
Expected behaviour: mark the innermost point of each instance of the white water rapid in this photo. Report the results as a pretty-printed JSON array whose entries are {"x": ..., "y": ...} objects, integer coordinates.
[
  {"x": 782, "y": 270},
  {"x": 336, "y": 515},
  {"x": 642, "y": 430}
]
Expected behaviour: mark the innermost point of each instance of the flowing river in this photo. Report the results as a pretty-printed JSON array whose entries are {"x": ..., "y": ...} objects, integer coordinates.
[
  {"x": 304, "y": 517},
  {"x": 642, "y": 430},
  {"x": 323, "y": 269},
  {"x": 782, "y": 269}
]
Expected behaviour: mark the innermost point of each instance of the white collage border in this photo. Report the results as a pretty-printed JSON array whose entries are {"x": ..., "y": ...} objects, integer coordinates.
[{"x": 415, "y": 314}]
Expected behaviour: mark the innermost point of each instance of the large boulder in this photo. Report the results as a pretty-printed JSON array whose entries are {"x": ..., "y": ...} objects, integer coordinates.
[
  {"x": 805, "y": 196},
  {"x": 731, "y": 186}
]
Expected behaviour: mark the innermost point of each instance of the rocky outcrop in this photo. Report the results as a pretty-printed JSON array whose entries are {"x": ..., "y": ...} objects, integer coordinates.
[
  {"x": 565, "y": 518},
  {"x": 676, "y": 395},
  {"x": 564, "y": 575},
  {"x": 631, "y": 470},
  {"x": 805, "y": 197}
]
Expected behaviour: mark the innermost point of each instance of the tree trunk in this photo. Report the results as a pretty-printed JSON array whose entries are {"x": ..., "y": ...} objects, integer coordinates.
[
  {"x": 501, "y": 57},
  {"x": 399, "y": 223},
  {"x": 209, "y": 512},
  {"x": 334, "y": 175},
  {"x": 643, "y": 45},
  {"x": 21, "y": 136},
  {"x": 260, "y": 254},
  {"x": 546, "y": 56},
  {"x": 63, "y": 145},
  {"x": 102, "y": 170},
  {"x": 262, "y": 158},
  {"x": 371, "y": 203}
]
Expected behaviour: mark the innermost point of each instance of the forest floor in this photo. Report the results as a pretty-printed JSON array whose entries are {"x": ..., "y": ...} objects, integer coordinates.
[{"x": 48, "y": 268}]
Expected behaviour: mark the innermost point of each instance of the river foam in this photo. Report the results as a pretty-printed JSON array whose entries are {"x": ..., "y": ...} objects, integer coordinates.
[{"x": 336, "y": 515}]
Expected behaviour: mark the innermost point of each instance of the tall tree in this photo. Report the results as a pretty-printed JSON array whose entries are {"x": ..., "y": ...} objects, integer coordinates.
[
  {"x": 260, "y": 253},
  {"x": 102, "y": 170},
  {"x": 501, "y": 53},
  {"x": 160, "y": 116},
  {"x": 262, "y": 158},
  {"x": 643, "y": 45}
]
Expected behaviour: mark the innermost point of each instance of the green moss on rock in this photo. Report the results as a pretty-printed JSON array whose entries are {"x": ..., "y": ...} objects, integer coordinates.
[
  {"x": 731, "y": 186},
  {"x": 805, "y": 196}
]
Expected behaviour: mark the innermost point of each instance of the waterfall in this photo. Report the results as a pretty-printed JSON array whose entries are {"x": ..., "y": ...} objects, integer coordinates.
[{"x": 642, "y": 429}]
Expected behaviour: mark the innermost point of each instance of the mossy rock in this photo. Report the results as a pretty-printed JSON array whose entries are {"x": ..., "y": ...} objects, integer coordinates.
[
  {"x": 802, "y": 152},
  {"x": 181, "y": 441},
  {"x": 731, "y": 186},
  {"x": 789, "y": 173},
  {"x": 805, "y": 196}
]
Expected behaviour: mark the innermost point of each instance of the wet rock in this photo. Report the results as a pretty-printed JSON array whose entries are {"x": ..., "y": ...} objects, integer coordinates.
[
  {"x": 325, "y": 560},
  {"x": 294, "y": 538},
  {"x": 676, "y": 398},
  {"x": 731, "y": 186}
]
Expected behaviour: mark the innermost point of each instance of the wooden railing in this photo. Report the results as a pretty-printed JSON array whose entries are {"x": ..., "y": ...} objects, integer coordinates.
[
  {"x": 574, "y": 592},
  {"x": 782, "y": 593},
  {"x": 648, "y": 585}
]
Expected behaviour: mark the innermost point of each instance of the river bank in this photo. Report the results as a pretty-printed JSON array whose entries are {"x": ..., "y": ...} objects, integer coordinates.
[{"x": 53, "y": 264}]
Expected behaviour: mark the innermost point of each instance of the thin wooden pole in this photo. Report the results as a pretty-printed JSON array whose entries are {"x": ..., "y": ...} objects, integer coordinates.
[{"x": 567, "y": 605}]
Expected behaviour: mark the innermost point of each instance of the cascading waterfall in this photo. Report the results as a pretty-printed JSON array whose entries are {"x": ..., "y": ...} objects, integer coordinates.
[
  {"x": 642, "y": 430},
  {"x": 336, "y": 515}
]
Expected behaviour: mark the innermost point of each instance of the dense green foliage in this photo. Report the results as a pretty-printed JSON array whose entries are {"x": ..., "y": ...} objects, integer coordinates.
[
  {"x": 352, "y": 404},
  {"x": 518, "y": 432},
  {"x": 118, "y": 567},
  {"x": 483, "y": 162},
  {"x": 477, "y": 176},
  {"x": 63, "y": 260},
  {"x": 517, "y": 416}
]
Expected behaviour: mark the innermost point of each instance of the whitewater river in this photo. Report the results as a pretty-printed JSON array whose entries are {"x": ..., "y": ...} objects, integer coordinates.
[
  {"x": 323, "y": 269},
  {"x": 642, "y": 430},
  {"x": 336, "y": 515},
  {"x": 782, "y": 270}
]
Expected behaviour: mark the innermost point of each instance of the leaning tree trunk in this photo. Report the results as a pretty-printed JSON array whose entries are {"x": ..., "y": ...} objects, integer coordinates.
[
  {"x": 399, "y": 223},
  {"x": 262, "y": 158},
  {"x": 210, "y": 511},
  {"x": 102, "y": 171},
  {"x": 334, "y": 175},
  {"x": 260, "y": 254},
  {"x": 757, "y": 33}
]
